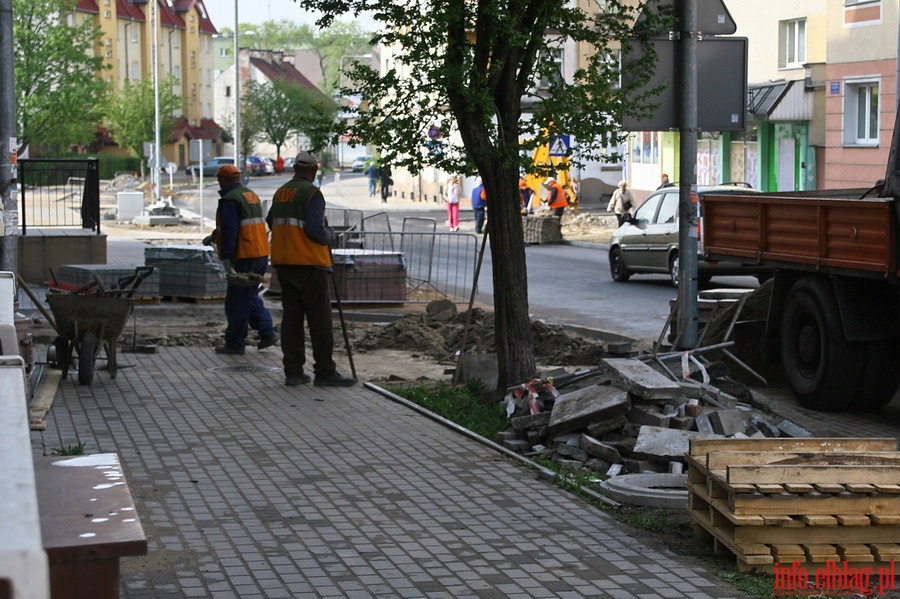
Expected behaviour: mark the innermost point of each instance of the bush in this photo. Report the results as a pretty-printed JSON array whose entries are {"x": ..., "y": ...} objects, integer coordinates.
[{"x": 110, "y": 166}]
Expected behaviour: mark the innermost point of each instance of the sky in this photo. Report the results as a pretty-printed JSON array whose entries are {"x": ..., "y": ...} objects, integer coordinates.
[{"x": 257, "y": 11}]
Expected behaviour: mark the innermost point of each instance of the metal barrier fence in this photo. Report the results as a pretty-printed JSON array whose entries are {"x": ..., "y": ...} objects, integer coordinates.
[
  {"x": 406, "y": 267},
  {"x": 60, "y": 193}
]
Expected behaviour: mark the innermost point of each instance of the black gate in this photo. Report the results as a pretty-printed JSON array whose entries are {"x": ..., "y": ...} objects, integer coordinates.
[{"x": 60, "y": 192}]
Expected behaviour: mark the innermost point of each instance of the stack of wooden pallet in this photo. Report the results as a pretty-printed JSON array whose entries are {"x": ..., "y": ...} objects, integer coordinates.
[{"x": 782, "y": 501}]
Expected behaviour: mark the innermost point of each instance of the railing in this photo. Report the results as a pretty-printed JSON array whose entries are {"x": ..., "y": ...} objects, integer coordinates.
[
  {"x": 406, "y": 267},
  {"x": 60, "y": 193}
]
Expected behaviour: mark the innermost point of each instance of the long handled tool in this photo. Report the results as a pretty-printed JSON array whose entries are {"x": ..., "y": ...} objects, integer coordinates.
[{"x": 340, "y": 307}]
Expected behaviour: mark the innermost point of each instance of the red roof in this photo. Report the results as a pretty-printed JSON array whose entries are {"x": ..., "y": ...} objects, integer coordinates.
[
  {"x": 205, "y": 25},
  {"x": 126, "y": 10},
  {"x": 284, "y": 70},
  {"x": 208, "y": 129},
  {"x": 168, "y": 18},
  {"x": 87, "y": 6}
]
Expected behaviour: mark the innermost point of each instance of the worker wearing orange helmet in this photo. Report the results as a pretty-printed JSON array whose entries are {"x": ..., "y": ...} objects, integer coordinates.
[{"x": 556, "y": 196}]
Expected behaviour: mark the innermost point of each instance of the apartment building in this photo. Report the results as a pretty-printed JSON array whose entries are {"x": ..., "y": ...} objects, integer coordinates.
[{"x": 183, "y": 47}]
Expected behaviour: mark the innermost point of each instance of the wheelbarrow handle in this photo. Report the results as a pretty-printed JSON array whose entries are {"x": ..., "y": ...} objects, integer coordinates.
[{"x": 37, "y": 302}]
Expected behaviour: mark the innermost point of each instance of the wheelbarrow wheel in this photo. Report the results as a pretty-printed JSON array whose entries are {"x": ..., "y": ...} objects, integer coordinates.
[
  {"x": 87, "y": 354},
  {"x": 111, "y": 358}
]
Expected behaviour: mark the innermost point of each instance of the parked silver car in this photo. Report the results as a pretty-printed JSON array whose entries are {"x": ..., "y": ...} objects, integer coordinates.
[
  {"x": 649, "y": 242},
  {"x": 210, "y": 168}
]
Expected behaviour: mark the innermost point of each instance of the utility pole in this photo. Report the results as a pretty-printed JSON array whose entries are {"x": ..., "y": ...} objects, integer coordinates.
[{"x": 9, "y": 224}]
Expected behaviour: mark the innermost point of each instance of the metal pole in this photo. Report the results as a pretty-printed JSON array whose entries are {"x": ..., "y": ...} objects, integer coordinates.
[
  {"x": 157, "y": 148},
  {"x": 8, "y": 191},
  {"x": 237, "y": 94},
  {"x": 687, "y": 209}
]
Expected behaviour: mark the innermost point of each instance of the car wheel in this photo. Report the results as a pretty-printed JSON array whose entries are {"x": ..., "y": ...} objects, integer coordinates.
[
  {"x": 822, "y": 367},
  {"x": 673, "y": 269},
  {"x": 617, "y": 269}
]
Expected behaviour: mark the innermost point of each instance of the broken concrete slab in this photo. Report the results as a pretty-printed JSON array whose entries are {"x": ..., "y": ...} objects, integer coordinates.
[
  {"x": 521, "y": 423},
  {"x": 647, "y": 416},
  {"x": 598, "y": 429},
  {"x": 704, "y": 423},
  {"x": 517, "y": 445},
  {"x": 793, "y": 430},
  {"x": 571, "y": 451},
  {"x": 728, "y": 422},
  {"x": 665, "y": 443},
  {"x": 581, "y": 408},
  {"x": 640, "y": 379},
  {"x": 598, "y": 449}
]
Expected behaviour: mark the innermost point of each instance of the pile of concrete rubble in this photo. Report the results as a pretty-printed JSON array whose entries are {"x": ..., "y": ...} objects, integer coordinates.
[{"x": 630, "y": 418}]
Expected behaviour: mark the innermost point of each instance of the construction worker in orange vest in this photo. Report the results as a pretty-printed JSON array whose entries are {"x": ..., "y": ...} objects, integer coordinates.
[{"x": 556, "y": 196}]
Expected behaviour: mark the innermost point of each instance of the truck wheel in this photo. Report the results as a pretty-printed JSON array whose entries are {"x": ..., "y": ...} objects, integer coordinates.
[
  {"x": 880, "y": 376},
  {"x": 822, "y": 367},
  {"x": 617, "y": 269}
]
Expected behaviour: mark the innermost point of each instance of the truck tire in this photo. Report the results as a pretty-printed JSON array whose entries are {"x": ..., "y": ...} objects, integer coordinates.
[
  {"x": 617, "y": 269},
  {"x": 823, "y": 368},
  {"x": 880, "y": 377}
]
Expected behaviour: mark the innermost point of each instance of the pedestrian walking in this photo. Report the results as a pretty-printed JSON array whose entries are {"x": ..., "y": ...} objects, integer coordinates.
[
  {"x": 372, "y": 175},
  {"x": 556, "y": 196},
  {"x": 301, "y": 255},
  {"x": 243, "y": 246},
  {"x": 384, "y": 174},
  {"x": 479, "y": 205},
  {"x": 621, "y": 203},
  {"x": 452, "y": 195}
]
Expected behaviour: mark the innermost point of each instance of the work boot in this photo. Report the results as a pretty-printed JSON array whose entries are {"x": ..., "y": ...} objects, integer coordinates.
[
  {"x": 229, "y": 350},
  {"x": 293, "y": 381},
  {"x": 267, "y": 342},
  {"x": 333, "y": 379}
]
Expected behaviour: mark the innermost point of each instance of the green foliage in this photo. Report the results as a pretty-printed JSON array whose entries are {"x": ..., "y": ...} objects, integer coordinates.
[
  {"x": 59, "y": 98},
  {"x": 77, "y": 449},
  {"x": 466, "y": 406},
  {"x": 110, "y": 165},
  {"x": 131, "y": 114},
  {"x": 279, "y": 109},
  {"x": 755, "y": 585}
]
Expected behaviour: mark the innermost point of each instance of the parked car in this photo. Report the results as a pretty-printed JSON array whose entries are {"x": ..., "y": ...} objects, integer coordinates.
[
  {"x": 209, "y": 168},
  {"x": 257, "y": 165},
  {"x": 648, "y": 243},
  {"x": 360, "y": 163}
]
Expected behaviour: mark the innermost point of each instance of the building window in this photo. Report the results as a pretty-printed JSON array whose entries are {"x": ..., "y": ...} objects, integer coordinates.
[
  {"x": 227, "y": 91},
  {"x": 553, "y": 69},
  {"x": 792, "y": 43},
  {"x": 644, "y": 148},
  {"x": 861, "y": 113},
  {"x": 223, "y": 52}
]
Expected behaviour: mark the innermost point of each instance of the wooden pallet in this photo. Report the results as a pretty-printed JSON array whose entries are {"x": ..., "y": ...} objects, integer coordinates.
[{"x": 769, "y": 501}]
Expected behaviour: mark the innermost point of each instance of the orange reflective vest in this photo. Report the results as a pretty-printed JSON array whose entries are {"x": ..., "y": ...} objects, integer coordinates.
[
  {"x": 557, "y": 197},
  {"x": 290, "y": 244},
  {"x": 253, "y": 241}
]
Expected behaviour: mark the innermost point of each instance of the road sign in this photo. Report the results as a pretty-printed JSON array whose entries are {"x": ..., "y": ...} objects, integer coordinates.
[
  {"x": 148, "y": 149},
  {"x": 721, "y": 85},
  {"x": 559, "y": 145},
  {"x": 712, "y": 16}
]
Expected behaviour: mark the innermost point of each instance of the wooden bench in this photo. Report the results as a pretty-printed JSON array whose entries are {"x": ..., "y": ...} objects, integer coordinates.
[{"x": 88, "y": 521}]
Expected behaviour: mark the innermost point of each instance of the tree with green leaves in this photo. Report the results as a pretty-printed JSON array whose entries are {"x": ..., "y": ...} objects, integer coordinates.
[
  {"x": 131, "y": 114},
  {"x": 281, "y": 108},
  {"x": 454, "y": 95},
  {"x": 59, "y": 93}
]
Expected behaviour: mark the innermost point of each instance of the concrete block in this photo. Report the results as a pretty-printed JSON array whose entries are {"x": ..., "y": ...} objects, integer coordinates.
[
  {"x": 581, "y": 408},
  {"x": 597, "y": 465},
  {"x": 704, "y": 424},
  {"x": 728, "y": 422},
  {"x": 598, "y": 449},
  {"x": 571, "y": 451},
  {"x": 572, "y": 464},
  {"x": 536, "y": 435},
  {"x": 793, "y": 430},
  {"x": 614, "y": 470},
  {"x": 646, "y": 416},
  {"x": 567, "y": 439},
  {"x": 683, "y": 423},
  {"x": 637, "y": 466},
  {"x": 766, "y": 427},
  {"x": 482, "y": 367},
  {"x": 520, "y": 423},
  {"x": 507, "y": 435},
  {"x": 631, "y": 429},
  {"x": 598, "y": 429},
  {"x": 618, "y": 348},
  {"x": 676, "y": 468},
  {"x": 636, "y": 377},
  {"x": 664, "y": 443},
  {"x": 517, "y": 445}
]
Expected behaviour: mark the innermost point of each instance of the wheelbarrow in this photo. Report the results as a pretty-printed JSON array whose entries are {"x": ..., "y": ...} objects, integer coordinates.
[
  {"x": 85, "y": 325},
  {"x": 89, "y": 319}
]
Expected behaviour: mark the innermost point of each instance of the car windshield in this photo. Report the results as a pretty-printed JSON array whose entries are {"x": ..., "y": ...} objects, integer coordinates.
[{"x": 648, "y": 209}]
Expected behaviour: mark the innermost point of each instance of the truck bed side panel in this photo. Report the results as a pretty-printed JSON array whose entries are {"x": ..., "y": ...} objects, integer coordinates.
[{"x": 811, "y": 233}]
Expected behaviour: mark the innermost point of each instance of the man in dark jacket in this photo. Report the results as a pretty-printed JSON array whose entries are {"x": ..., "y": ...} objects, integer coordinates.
[{"x": 243, "y": 247}]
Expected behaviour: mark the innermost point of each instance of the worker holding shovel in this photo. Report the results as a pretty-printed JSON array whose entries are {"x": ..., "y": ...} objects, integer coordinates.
[{"x": 301, "y": 255}]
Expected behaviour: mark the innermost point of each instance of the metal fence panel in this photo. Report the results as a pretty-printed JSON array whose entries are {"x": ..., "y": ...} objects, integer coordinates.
[
  {"x": 60, "y": 193},
  {"x": 406, "y": 267}
]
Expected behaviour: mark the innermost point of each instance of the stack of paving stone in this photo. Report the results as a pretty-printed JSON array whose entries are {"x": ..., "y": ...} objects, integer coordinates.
[
  {"x": 780, "y": 502},
  {"x": 541, "y": 229},
  {"x": 187, "y": 271}
]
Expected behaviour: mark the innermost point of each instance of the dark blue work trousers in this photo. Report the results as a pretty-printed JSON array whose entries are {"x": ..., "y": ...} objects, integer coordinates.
[{"x": 244, "y": 309}]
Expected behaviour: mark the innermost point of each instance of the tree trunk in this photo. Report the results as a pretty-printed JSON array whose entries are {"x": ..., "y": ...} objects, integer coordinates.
[{"x": 512, "y": 326}]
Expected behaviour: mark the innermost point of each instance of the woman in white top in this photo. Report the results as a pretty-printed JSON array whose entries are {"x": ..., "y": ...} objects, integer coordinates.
[
  {"x": 621, "y": 202},
  {"x": 452, "y": 194}
]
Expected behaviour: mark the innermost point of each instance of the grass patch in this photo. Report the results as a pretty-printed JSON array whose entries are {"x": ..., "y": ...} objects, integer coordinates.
[
  {"x": 77, "y": 449},
  {"x": 466, "y": 406}
]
